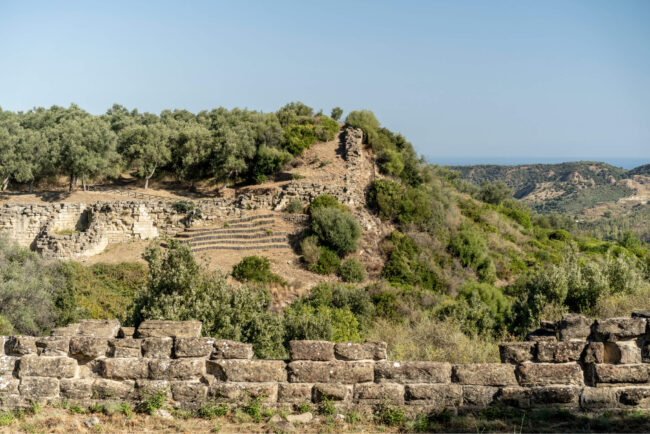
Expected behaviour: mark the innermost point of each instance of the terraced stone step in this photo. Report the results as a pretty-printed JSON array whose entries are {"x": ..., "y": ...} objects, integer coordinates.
[
  {"x": 221, "y": 231},
  {"x": 255, "y": 247},
  {"x": 240, "y": 220},
  {"x": 239, "y": 242},
  {"x": 231, "y": 237}
]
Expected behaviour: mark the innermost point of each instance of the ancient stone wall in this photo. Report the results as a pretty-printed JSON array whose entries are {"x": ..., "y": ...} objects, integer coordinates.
[{"x": 575, "y": 364}]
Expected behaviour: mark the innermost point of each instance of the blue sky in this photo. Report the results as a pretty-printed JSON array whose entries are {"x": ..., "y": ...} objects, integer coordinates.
[{"x": 532, "y": 80}]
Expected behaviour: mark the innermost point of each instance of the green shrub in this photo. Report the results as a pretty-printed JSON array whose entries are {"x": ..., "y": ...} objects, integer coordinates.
[
  {"x": 389, "y": 415},
  {"x": 328, "y": 262},
  {"x": 325, "y": 201},
  {"x": 559, "y": 235},
  {"x": 352, "y": 271},
  {"x": 295, "y": 206},
  {"x": 152, "y": 402},
  {"x": 183, "y": 206},
  {"x": 255, "y": 269},
  {"x": 336, "y": 229},
  {"x": 404, "y": 265},
  {"x": 470, "y": 248},
  {"x": 310, "y": 249},
  {"x": 336, "y": 113},
  {"x": 179, "y": 289},
  {"x": 384, "y": 196},
  {"x": 494, "y": 193},
  {"x": 518, "y": 215}
]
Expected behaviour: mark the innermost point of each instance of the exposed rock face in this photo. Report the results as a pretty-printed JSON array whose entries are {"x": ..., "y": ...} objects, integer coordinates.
[{"x": 99, "y": 361}]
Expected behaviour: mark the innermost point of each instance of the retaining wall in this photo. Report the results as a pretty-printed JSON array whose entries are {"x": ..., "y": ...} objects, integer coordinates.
[{"x": 575, "y": 363}]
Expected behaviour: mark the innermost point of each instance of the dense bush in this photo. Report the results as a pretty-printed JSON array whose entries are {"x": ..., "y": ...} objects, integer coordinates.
[
  {"x": 328, "y": 262},
  {"x": 179, "y": 289},
  {"x": 352, "y": 270},
  {"x": 470, "y": 248},
  {"x": 494, "y": 193},
  {"x": 294, "y": 206},
  {"x": 255, "y": 269},
  {"x": 336, "y": 229},
  {"x": 325, "y": 201},
  {"x": 401, "y": 204},
  {"x": 405, "y": 266}
]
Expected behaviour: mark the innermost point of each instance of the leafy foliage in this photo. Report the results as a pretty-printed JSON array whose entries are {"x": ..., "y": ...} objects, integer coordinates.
[
  {"x": 336, "y": 229},
  {"x": 352, "y": 270},
  {"x": 255, "y": 269}
]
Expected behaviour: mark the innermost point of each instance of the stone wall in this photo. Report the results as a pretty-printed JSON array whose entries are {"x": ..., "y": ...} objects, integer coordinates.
[{"x": 575, "y": 364}]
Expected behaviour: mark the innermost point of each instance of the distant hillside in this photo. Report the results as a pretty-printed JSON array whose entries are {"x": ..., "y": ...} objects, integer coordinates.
[{"x": 566, "y": 187}]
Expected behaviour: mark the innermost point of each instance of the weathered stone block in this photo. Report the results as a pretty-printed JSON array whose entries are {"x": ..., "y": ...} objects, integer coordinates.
[
  {"x": 634, "y": 396},
  {"x": 43, "y": 366},
  {"x": 617, "y": 329},
  {"x": 125, "y": 368},
  {"x": 99, "y": 328},
  {"x": 39, "y": 387},
  {"x": 8, "y": 385},
  {"x": 623, "y": 352},
  {"x": 157, "y": 348},
  {"x": 331, "y": 391},
  {"x": 479, "y": 396},
  {"x": 311, "y": 350},
  {"x": 437, "y": 395},
  {"x": 126, "y": 332},
  {"x": 620, "y": 374},
  {"x": 76, "y": 388},
  {"x": 88, "y": 348},
  {"x": 598, "y": 398},
  {"x": 21, "y": 345},
  {"x": 241, "y": 392},
  {"x": 412, "y": 372},
  {"x": 372, "y": 350},
  {"x": 8, "y": 364},
  {"x": 178, "y": 369},
  {"x": 186, "y": 391},
  {"x": 541, "y": 335},
  {"x": 330, "y": 372},
  {"x": 546, "y": 374},
  {"x": 559, "y": 352},
  {"x": 641, "y": 314},
  {"x": 110, "y": 389},
  {"x": 574, "y": 326},
  {"x": 126, "y": 347},
  {"x": 193, "y": 347},
  {"x": 257, "y": 371},
  {"x": 594, "y": 353},
  {"x": 69, "y": 330},
  {"x": 225, "y": 349},
  {"x": 294, "y": 392},
  {"x": 516, "y": 352},
  {"x": 172, "y": 329},
  {"x": 53, "y": 345},
  {"x": 514, "y": 396},
  {"x": 555, "y": 395},
  {"x": 379, "y": 393},
  {"x": 146, "y": 388},
  {"x": 485, "y": 374}
]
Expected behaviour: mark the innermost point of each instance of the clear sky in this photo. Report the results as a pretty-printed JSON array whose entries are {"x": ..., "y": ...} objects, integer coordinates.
[{"x": 530, "y": 79}]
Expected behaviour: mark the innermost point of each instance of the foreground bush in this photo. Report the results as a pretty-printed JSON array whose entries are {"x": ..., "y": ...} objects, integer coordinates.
[
  {"x": 352, "y": 270},
  {"x": 336, "y": 229},
  {"x": 255, "y": 269}
]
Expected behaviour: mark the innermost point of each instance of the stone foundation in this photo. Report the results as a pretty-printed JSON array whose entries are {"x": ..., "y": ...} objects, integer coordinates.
[{"x": 97, "y": 361}]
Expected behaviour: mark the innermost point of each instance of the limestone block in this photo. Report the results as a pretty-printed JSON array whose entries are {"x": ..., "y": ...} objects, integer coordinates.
[
  {"x": 8, "y": 364},
  {"x": 257, "y": 371},
  {"x": 479, "y": 396},
  {"x": 330, "y": 372},
  {"x": 311, "y": 350},
  {"x": 514, "y": 396},
  {"x": 21, "y": 345},
  {"x": 545, "y": 374},
  {"x": 242, "y": 392},
  {"x": 559, "y": 352},
  {"x": 485, "y": 374},
  {"x": 634, "y": 396},
  {"x": 437, "y": 395},
  {"x": 110, "y": 389},
  {"x": 555, "y": 395},
  {"x": 88, "y": 348},
  {"x": 125, "y": 347},
  {"x": 623, "y": 352},
  {"x": 172, "y": 329},
  {"x": 373, "y": 350},
  {"x": 126, "y": 332},
  {"x": 76, "y": 388},
  {"x": 412, "y": 372},
  {"x": 617, "y": 329},
  {"x": 379, "y": 393},
  {"x": 598, "y": 398},
  {"x": 53, "y": 345},
  {"x": 44, "y": 366},
  {"x": 99, "y": 328},
  {"x": 613, "y": 374},
  {"x": 641, "y": 314},
  {"x": 145, "y": 388},
  {"x": 39, "y": 387},
  {"x": 516, "y": 352},
  {"x": 193, "y": 347},
  {"x": 594, "y": 353},
  {"x": 294, "y": 392},
  {"x": 125, "y": 368},
  {"x": 332, "y": 391},
  {"x": 157, "y": 348},
  {"x": 186, "y": 391},
  {"x": 574, "y": 326},
  {"x": 8, "y": 385},
  {"x": 178, "y": 369}
]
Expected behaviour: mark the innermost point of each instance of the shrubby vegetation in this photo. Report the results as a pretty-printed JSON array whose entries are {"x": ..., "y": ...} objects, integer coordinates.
[
  {"x": 228, "y": 145},
  {"x": 255, "y": 269}
]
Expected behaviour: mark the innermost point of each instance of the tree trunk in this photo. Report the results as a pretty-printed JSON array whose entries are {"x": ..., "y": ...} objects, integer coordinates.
[
  {"x": 148, "y": 177},
  {"x": 5, "y": 183},
  {"x": 31, "y": 186},
  {"x": 83, "y": 182},
  {"x": 71, "y": 182}
]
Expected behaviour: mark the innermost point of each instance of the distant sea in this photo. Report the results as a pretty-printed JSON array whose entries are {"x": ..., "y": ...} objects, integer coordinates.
[{"x": 625, "y": 163}]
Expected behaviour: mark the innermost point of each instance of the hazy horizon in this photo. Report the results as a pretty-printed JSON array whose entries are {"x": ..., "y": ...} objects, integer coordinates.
[{"x": 625, "y": 163}]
